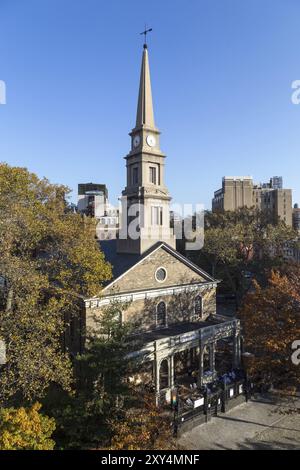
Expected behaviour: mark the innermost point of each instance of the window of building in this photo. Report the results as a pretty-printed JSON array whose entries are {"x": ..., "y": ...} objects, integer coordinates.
[
  {"x": 161, "y": 314},
  {"x": 135, "y": 175},
  {"x": 161, "y": 274},
  {"x": 152, "y": 174},
  {"x": 156, "y": 215},
  {"x": 198, "y": 305}
]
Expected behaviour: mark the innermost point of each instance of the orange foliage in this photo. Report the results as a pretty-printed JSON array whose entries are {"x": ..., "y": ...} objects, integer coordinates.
[
  {"x": 271, "y": 322},
  {"x": 143, "y": 428}
]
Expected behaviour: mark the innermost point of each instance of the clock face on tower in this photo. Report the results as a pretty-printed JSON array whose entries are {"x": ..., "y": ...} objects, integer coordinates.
[
  {"x": 136, "y": 141},
  {"x": 151, "y": 141}
]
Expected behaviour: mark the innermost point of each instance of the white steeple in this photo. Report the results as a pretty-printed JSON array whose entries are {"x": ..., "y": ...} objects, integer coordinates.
[
  {"x": 145, "y": 115},
  {"x": 145, "y": 189}
]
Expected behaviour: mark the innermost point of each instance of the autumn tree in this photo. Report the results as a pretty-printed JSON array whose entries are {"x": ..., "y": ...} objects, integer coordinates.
[
  {"x": 142, "y": 426},
  {"x": 25, "y": 429},
  {"x": 270, "y": 319},
  {"x": 49, "y": 260}
]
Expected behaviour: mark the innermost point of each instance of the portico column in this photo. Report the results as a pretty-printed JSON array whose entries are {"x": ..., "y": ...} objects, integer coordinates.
[
  {"x": 200, "y": 372},
  {"x": 157, "y": 367},
  {"x": 189, "y": 358},
  {"x": 212, "y": 357},
  {"x": 239, "y": 346},
  {"x": 237, "y": 350},
  {"x": 171, "y": 372}
]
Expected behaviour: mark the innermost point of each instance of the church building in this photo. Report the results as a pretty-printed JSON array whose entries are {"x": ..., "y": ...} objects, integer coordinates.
[{"x": 171, "y": 301}]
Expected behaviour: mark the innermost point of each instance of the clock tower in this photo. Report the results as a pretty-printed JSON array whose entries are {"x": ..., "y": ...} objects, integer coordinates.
[{"x": 145, "y": 200}]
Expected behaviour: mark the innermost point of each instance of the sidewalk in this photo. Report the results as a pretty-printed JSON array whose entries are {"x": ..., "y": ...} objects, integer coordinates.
[{"x": 257, "y": 424}]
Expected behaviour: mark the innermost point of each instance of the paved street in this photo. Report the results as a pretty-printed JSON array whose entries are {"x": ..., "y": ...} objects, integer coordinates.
[{"x": 258, "y": 424}]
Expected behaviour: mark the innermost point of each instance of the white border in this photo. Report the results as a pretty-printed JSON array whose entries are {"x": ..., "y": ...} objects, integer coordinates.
[{"x": 95, "y": 302}]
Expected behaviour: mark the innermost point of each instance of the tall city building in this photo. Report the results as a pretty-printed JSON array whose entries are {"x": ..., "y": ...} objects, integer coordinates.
[
  {"x": 92, "y": 199},
  {"x": 236, "y": 191},
  {"x": 276, "y": 182},
  {"x": 240, "y": 191},
  {"x": 93, "y": 202}
]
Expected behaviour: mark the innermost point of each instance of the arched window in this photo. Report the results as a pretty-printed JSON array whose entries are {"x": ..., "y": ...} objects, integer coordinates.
[
  {"x": 164, "y": 375},
  {"x": 198, "y": 306},
  {"x": 161, "y": 314}
]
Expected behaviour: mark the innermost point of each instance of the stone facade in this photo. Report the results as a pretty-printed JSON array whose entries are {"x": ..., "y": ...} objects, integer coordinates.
[
  {"x": 142, "y": 275},
  {"x": 179, "y": 308},
  {"x": 179, "y": 291},
  {"x": 186, "y": 328}
]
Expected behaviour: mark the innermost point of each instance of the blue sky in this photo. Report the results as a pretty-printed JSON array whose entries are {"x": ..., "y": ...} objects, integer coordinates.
[{"x": 221, "y": 76}]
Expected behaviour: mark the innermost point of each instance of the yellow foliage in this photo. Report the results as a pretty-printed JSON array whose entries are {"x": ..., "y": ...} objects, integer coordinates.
[
  {"x": 25, "y": 429},
  {"x": 49, "y": 261}
]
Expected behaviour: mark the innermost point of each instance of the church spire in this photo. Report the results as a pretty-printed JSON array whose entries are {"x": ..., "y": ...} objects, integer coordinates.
[
  {"x": 145, "y": 199},
  {"x": 145, "y": 115}
]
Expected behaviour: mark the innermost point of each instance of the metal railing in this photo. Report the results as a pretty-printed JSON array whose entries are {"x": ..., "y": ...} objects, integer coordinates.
[{"x": 213, "y": 403}]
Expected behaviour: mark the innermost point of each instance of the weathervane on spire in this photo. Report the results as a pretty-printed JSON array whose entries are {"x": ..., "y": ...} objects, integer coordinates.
[{"x": 145, "y": 34}]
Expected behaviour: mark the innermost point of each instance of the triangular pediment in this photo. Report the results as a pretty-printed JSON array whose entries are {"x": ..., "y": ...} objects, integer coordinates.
[{"x": 160, "y": 267}]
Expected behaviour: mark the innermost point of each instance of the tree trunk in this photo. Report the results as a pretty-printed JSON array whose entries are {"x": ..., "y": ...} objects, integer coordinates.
[{"x": 9, "y": 300}]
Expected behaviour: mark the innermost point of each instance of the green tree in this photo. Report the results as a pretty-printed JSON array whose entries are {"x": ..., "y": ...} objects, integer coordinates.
[
  {"x": 25, "y": 429},
  {"x": 105, "y": 363},
  {"x": 239, "y": 241},
  {"x": 85, "y": 420},
  {"x": 49, "y": 260}
]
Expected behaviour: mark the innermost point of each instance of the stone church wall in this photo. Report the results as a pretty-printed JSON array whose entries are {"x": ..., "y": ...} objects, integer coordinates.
[{"x": 180, "y": 308}]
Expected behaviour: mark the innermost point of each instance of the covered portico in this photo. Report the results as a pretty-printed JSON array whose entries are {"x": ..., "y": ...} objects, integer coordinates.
[{"x": 197, "y": 341}]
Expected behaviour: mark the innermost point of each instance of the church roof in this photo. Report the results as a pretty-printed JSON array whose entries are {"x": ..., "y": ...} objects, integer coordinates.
[
  {"x": 123, "y": 262},
  {"x": 120, "y": 262}
]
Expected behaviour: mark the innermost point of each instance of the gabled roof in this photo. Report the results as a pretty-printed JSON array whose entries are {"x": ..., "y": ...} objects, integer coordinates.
[{"x": 123, "y": 263}]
